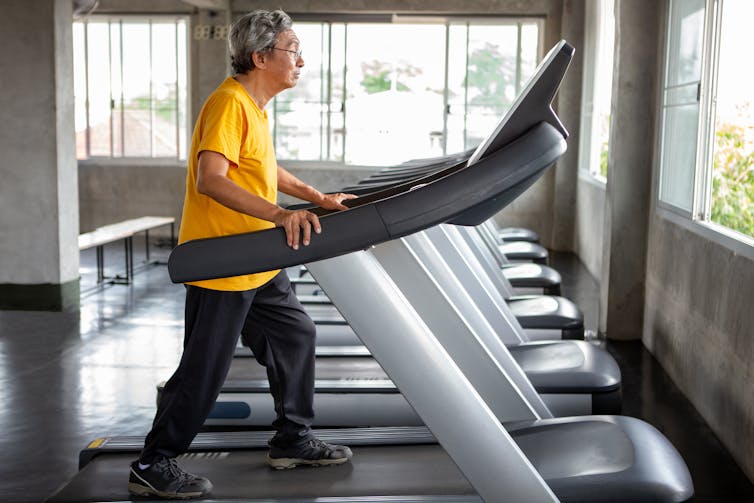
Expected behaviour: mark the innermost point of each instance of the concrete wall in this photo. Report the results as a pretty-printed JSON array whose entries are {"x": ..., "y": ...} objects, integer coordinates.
[
  {"x": 629, "y": 177},
  {"x": 117, "y": 191},
  {"x": 38, "y": 194},
  {"x": 538, "y": 209},
  {"x": 698, "y": 323},
  {"x": 569, "y": 108},
  {"x": 159, "y": 189}
]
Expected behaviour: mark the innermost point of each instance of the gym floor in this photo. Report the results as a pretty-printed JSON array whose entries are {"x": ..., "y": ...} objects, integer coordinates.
[{"x": 68, "y": 378}]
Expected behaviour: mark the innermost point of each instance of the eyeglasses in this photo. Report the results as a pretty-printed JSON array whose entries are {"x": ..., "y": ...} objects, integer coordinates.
[{"x": 296, "y": 54}]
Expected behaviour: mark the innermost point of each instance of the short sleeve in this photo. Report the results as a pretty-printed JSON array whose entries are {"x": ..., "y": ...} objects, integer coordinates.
[{"x": 223, "y": 125}]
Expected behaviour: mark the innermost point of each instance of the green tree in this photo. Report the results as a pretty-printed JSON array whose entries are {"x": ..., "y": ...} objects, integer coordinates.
[
  {"x": 164, "y": 108},
  {"x": 491, "y": 74},
  {"x": 378, "y": 76},
  {"x": 733, "y": 180}
]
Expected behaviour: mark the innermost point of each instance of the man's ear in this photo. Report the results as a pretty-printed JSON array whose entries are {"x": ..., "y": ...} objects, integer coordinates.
[{"x": 259, "y": 59}]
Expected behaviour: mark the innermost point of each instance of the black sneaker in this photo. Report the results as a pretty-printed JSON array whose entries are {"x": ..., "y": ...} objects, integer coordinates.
[
  {"x": 314, "y": 452},
  {"x": 164, "y": 478}
]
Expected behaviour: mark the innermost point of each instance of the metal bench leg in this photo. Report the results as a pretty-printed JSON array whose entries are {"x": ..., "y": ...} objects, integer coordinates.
[
  {"x": 146, "y": 245},
  {"x": 129, "y": 252},
  {"x": 130, "y": 258},
  {"x": 100, "y": 264}
]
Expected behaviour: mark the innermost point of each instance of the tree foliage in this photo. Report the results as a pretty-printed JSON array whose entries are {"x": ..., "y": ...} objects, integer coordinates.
[
  {"x": 378, "y": 76},
  {"x": 491, "y": 74},
  {"x": 733, "y": 180}
]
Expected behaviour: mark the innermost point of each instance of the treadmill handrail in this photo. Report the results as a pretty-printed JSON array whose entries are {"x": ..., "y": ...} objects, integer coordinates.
[{"x": 495, "y": 181}]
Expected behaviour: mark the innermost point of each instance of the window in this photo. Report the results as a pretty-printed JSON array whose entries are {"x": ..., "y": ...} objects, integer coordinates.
[
  {"x": 731, "y": 201},
  {"x": 683, "y": 73},
  {"x": 707, "y": 148},
  {"x": 599, "y": 42},
  {"x": 487, "y": 66},
  {"x": 426, "y": 89},
  {"x": 130, "y": 85}
]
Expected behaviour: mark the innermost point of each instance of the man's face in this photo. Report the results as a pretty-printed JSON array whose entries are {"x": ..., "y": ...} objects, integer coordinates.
[{"x": 284, "y": 64}]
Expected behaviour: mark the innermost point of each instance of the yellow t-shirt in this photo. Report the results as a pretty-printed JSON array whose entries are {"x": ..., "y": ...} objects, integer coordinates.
[{"x": 231, "y": 124}]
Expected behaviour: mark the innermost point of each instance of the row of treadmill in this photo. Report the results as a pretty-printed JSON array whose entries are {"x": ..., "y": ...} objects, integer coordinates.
[{"x": 445, "y": 358}]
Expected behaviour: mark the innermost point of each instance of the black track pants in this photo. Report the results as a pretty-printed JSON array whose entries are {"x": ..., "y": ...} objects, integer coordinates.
[{"x": 275, "y": 326}]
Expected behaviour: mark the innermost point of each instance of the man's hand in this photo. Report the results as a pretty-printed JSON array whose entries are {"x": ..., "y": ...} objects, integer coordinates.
[
  {"x": 297, "y": 223},
  {"x": 334, "y": 201}
]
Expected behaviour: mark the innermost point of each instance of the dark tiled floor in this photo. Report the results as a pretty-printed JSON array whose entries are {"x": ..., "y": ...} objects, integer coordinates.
[{"x": 66, "y": 379}]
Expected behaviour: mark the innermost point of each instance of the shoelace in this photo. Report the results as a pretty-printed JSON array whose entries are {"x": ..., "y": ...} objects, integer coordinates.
[
  {"x": 316, "y": 443},
  {"x": 170, "y": 465}
]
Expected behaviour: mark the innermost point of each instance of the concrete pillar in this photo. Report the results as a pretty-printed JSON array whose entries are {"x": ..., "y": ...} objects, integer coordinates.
[
  {"x": 632, "y": 132},
  {"x": 569, "y": 110},
  {"x": 39, "y": 188},
  {"x": 209, "y": 59}
]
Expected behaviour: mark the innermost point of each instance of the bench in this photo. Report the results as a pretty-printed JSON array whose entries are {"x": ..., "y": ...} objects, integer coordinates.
[{"x": 125, "y": 230}]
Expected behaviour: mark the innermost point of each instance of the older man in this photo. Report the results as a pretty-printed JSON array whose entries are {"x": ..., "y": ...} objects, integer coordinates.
[{"x": 232, "y": 184}]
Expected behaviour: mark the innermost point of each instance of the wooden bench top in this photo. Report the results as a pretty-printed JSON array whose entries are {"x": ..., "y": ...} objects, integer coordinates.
[{"x": 121, "y": 230}]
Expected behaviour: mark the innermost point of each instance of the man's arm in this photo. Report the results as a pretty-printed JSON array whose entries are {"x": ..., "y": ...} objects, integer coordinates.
[
  {"x": 289, "y": 184},
  {"x": 212, "y": 180}
]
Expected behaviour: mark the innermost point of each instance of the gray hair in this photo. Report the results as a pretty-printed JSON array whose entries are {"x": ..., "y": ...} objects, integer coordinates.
[{"x": 254, "y": 32}]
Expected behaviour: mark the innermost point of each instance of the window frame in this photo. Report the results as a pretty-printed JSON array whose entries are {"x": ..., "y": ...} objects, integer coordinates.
[
  {"x": 698, "y": 219},
  {"x": 182, "y": 141}
]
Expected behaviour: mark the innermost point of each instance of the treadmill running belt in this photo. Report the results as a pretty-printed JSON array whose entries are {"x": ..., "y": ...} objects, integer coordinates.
[
  {"x": 243, "y": 475},
  {"x": 326, "y": 368}
]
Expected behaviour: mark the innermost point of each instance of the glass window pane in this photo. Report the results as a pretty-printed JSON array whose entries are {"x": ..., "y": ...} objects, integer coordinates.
[
  {"x": 492, "y": 65},
  {"x": 302, "y": 111},
  {"x": 164, "y": 94},
  {"x": 99, "y": 88},
  {"x": 335, "y": 140},
  {"x": 680, "y": 127},
  {"x": 733, "y": 169},
  {"x": 686, "y": 37},
  {"x": 456, "y": 112},
  {"x": 182, "y": 134},
  {"x": 79, "y": 89},
  {"x": 486, "y": 69},
  {"x": 603, "y": 89},
  {"x": 679, "y": 155},
  {"x": 529, "y": 52},
  {"x": 402, "y": 79},
  {"x": 116, "y": 83},
  {"x": 137, "y": 86},
  {"x": 137, "y": 127},
  {"x": 491, "y": 77}
]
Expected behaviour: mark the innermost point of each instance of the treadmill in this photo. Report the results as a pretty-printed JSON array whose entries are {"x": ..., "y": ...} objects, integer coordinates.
[
  {"x": 572, "y": 377},
  {"x": 544, "y": 317},
  {"x": 542, "y": 278},
  {"x": 533, "y": 458}
]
